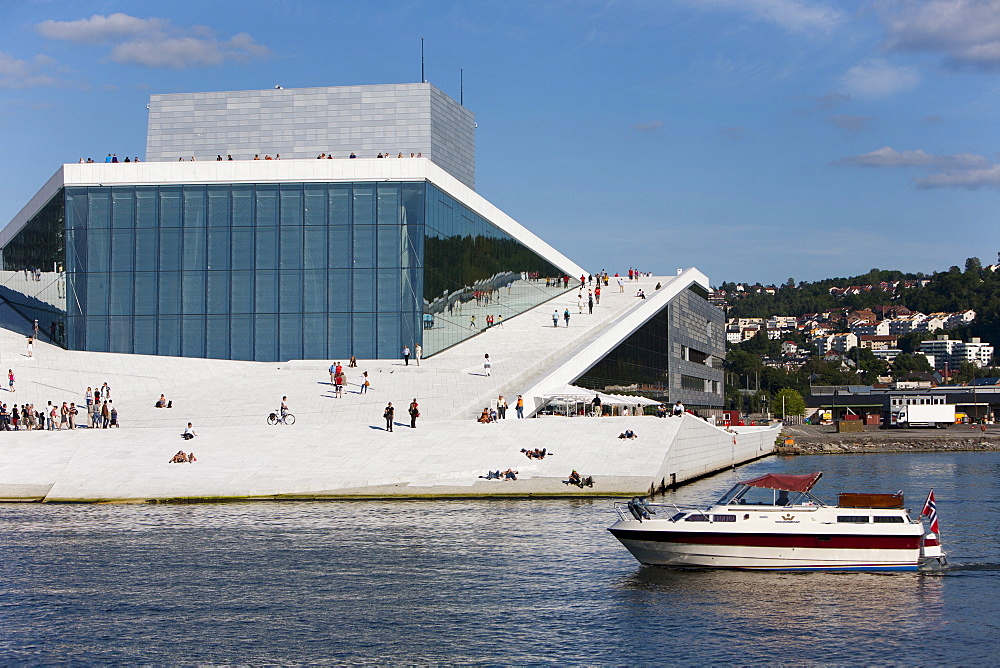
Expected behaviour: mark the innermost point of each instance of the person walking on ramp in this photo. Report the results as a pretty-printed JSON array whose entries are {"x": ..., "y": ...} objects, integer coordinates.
[
  {"x": 414, "y": 412},
  {"x": 388, "y": 415}
]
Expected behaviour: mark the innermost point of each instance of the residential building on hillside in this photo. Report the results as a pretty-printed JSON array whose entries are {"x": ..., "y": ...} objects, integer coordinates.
[
  {"x": 835, "y": 343},
  {"x": 880, "y": 328},
  {"x": 877, "y": 342},
  {"x": 954, "y": 353},
  {"x": 887, "y": 354},
  {"x": 933, "y": 323}
]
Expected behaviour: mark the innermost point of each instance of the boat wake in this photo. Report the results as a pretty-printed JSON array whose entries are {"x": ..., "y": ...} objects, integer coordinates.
[{"x": 974, "y": 566}]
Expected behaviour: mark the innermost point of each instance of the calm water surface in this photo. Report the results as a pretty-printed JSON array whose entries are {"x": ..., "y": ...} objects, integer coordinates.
[{"x": 483, "y": 582}]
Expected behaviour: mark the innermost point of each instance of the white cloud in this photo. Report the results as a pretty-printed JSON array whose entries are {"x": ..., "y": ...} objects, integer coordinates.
[
  {"x": 967, "y": 32},
  {"x": 890, "y": 157},
  {"x": 15, "y": 73},
  {"x": 878, "y": 78},
  {"x": 99, "y": 29},
  {"x": 958, "y": 170},
  {"x": 973, "y": 179},
  {"x": 792, "y": 15},
  {"x": 155, "y": 42},
  {"x": 184, "y": 52}
]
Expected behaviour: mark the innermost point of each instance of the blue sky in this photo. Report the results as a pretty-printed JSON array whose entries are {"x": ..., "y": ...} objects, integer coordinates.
[{"x": 754, "y": 139}]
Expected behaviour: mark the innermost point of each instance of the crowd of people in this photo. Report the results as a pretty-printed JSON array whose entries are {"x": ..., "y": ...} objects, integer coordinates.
[
  {"x": 113, "y": 157},
  {"x": 677, "y": 409},
  {"x": 98, "y": 409},
  {"x": 537, "y": 453},
  {"x": 509, "y": 474}
]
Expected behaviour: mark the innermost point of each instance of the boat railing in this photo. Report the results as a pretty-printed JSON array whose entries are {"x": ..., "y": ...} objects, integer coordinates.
[{"x": 622, "y": 508}]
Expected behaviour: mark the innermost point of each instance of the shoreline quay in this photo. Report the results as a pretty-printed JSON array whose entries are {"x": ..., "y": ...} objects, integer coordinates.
[{"x": 810, "y": 440}]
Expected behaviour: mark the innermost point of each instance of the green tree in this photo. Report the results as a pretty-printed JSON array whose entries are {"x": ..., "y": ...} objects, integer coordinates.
[
  {"x": 869, "y": 366},
  {"x": 973, "y": 264},
  {"x": 788, "y": 402},
  {"x": 966, "y": 372},
  {"x": 907, "y": 364},
  {"x": 760, "y": 344}
]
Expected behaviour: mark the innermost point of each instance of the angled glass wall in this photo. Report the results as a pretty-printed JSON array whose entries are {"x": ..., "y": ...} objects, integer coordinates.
[
  {"x": 474, "y": 273},
  {"x": 638, "y": 365},
  {"x": 268, "y": 271},
  {"x": 33, "y": 281},
  {"x": 675, "y": 355}
]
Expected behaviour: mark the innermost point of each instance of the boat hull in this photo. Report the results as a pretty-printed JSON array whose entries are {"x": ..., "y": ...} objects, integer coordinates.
[{"x": 758, "y": 551}]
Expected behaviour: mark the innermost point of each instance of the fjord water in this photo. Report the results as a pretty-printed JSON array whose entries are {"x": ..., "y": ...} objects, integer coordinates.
[{"x": 489, "y": 581}]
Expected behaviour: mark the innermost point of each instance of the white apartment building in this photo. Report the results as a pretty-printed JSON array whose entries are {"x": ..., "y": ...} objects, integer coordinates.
[
  {"x": 954, "y": 352},
  {"x": 835, "y": 343},
  {"x": 933, "y": 322},
  {"x": 906, "y": 324},
  {"x": 887, "y": 354},
  {"x": 782, "y": 322},
  {"x": 880, "y": 328},
  {"x": 960, "y": 319}
]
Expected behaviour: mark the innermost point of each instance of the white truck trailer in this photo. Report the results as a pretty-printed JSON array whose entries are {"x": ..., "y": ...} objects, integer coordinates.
[{"x": 922, "y": 415}]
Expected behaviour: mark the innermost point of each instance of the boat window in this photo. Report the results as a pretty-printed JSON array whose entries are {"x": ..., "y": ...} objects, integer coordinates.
[
  {"x": 887, "y": 519},
  {"x": 696, "y": 518},
  {"x": 677, "y": 517},
  {"x": 856, "y": 519},
  {"x": 730, "y": 496},
  {"x": 761, "y": 496},
  {"x": 723, "y": 518}
]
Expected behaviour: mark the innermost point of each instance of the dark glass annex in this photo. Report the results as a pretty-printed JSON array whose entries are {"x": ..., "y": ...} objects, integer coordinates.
[
  {"x": 267, "y": 271},
  {"x": 675, "y": 355}
]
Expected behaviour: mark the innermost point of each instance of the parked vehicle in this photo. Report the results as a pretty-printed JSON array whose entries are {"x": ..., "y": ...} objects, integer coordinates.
[{"x": 922, "y": 415}]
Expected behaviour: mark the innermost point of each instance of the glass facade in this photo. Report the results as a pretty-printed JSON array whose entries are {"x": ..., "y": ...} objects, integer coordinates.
[
  {"x": 270, "y": 271},
  {"x": 638, "y": 365},
  {"x": 33, "y": 278},
  {"x": 673, "y": 356},
  {"x": 474, "y": 271}
]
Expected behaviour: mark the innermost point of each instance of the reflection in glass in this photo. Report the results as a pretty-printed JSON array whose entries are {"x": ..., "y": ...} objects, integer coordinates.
[
  {"x": 33, "y": 280},
  {"x": 472, "y": 268},
  {"x": 638, "y": 365},
  {"x": 267, "y": 272}
]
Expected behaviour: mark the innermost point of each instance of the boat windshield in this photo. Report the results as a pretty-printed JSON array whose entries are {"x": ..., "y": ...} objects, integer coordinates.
[{"x": 762, "y": 496}]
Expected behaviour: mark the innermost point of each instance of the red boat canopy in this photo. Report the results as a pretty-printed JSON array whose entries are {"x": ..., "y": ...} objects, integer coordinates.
[{"x": 787, "y": 482}]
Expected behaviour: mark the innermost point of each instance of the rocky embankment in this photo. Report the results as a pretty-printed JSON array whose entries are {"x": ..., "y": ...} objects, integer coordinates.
[{"x": 818, "y": 440}]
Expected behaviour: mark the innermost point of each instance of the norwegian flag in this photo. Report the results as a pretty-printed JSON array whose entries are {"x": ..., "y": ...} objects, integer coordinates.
[{"x": 930, "y": 512}]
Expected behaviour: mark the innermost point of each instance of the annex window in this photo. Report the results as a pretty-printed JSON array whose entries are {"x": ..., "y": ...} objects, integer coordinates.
[
  {"x": 692, "y": 383},
  {"x": 723, "y": 518},
  {"x": 853, "y": 519},
  {"x": 887, "y": 519},
  {"x": 696, "y": 518}
]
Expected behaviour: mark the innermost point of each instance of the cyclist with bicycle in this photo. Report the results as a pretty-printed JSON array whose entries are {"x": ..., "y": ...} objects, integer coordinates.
[{"x": 284, "y": 408}]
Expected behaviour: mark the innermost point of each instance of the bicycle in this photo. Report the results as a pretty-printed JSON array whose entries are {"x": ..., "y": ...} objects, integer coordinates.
[{"x": 277, "y": 418}]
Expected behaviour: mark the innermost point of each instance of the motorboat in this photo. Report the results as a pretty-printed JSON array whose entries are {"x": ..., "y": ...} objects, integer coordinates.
[{"x": 775, "y": 523}]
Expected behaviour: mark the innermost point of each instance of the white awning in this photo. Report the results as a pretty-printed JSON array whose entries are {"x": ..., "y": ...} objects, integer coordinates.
[{"x": 574, "y": 394}]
